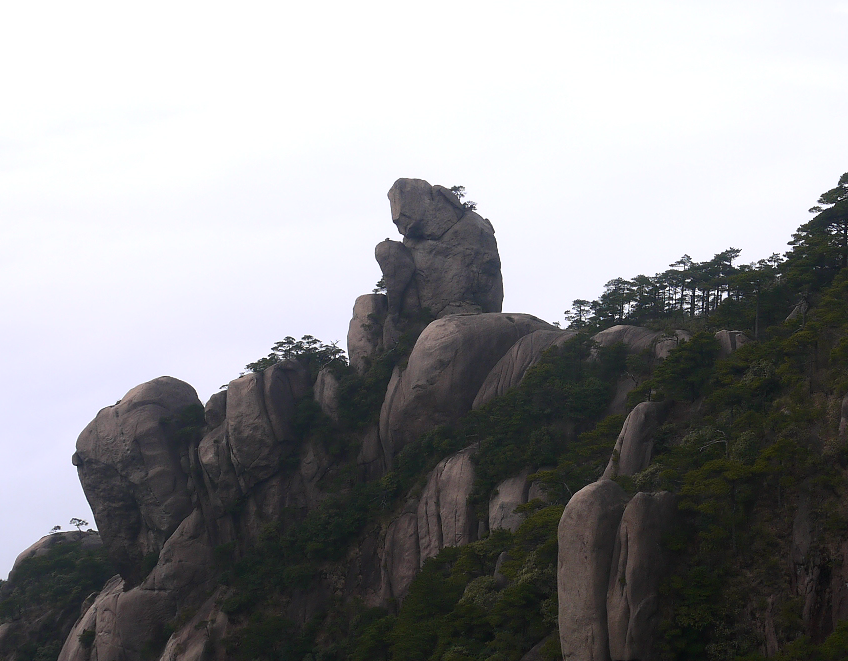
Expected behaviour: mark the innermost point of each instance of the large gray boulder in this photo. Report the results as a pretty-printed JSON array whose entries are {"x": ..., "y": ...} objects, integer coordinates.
[
  {"x": 444, "y": 516},
  {"x": 398, "y": 267},
  {"x": 635, "y": 443},
  {"x": 446, "y": 368},
  {"x": 448, "y": 262},
  {"x": 365, "y": 332},
  {"x": 260, "y": 408},
  {"x": 586, "y": 535},
  {"x": 512, "y": 367},
  {"x": 638, "y": 565},
  {"x": 401, "y": 558},
  {"x": 508, "y": 495},
  {"x": 641, "y": 340},
  {"x": 729, "y": 341},
  {"x": 132, "y": 461}
]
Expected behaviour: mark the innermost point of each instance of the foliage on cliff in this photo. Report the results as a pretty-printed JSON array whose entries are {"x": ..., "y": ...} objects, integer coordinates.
[{"x": 42, "y": 598}]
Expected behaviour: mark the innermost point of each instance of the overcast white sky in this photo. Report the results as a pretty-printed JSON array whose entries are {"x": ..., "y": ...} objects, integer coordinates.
[{"x": 183, "y": 184}]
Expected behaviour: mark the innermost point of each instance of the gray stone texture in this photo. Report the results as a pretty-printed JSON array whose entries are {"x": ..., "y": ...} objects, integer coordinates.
[
  {"x": 444, "y": 516},
  {"x": 365, "y": 332},
  {"x": 448, "y": 262},
  {"x": 586, "y": 535},
  {"x": 447, "y": 366},
  {"x": 638, "y": 565},
  {"x": 132, "y": 463},
  {"x": 513, "y": 365},
  {"x": 635, "y": 443}
]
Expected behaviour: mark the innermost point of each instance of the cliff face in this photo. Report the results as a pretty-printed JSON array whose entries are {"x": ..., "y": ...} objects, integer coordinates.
[
  {"x": 476, "y": 484},
  {"x": 170, "y": 481}
]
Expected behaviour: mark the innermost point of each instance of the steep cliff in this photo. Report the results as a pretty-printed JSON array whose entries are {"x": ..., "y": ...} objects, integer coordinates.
[{"x": 476, "y": 484}]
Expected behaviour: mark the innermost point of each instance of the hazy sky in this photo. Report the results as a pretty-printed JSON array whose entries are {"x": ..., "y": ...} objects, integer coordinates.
[{"x": 183, "y": 184}]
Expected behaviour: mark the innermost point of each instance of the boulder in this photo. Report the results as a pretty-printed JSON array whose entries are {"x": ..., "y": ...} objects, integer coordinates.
[
  {"x": 509, "y": 494},
  {"x": 326, "y": 393},
  {"x": 447, "y": 366},
  {"x": 586, "y": 535},
  {"x": 448, "y": 262},
  {"x": 126, "y": 622},
  {"x": 422, "y": 211},
  {"x": 401, "y": 557},
  {"x": 444, "y": 516},
  {"x": 641, "y": 340},
  {"x": 365, "y": 332},
  {"x": 371, "y": 462},
  {"x": 513, "y": 365},
  {"x": 729, "y": 341},
  {"x": 398, "y": 268},
  {"x": 132, "y": 462},
  {"x": 638, "y": 564},
  {"x": 260, "y": 408},
  {"x": 635, "y": 443}
]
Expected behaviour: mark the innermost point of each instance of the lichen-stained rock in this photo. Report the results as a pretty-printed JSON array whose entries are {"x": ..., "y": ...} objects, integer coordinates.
[
  {"x": 132, "y": 462},
  {"x": 260, "y": 408},
  {"x": 453, "y": 250},
  {"x": 365, "y": 332},
  {"x": 729, "y": 341},
  {"x": 444, "y": 516},
  {"x": 446, "y": 368},
  {"x": 508, "y": 495},
  {"x": 638, "y": 565},
  {"x": 513, "y": 365},
  {"x": 635, "y": 443},
  {"x": 401, "y": 557},
  {"x": 586, "y": 535}
]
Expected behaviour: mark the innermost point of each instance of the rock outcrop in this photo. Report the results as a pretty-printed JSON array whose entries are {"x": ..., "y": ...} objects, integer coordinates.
[
  {"x": 635, "y": 443},
  {"x": 448, "y": 261},
  {"x": 586, "y": 535},
  {"x": 641, "y": 340},
  {"x": 444, "y": 516},
  {"x": 126, "y": 622},
  {"x": 133, "y": 464},
  {"x": 89, "y": 540},
  {"x": 638, "y": 565},
  {"x": 447, "y": 366},
  {"x": 729, "y": 341},
  {"x": 511, "y": 368},
  {"x": 365, "y": 332},
  {"x": 508, "y": 495}
]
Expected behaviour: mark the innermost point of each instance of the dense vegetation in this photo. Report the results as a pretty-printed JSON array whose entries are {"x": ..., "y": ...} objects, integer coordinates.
[{"x": 42, "y": 598}]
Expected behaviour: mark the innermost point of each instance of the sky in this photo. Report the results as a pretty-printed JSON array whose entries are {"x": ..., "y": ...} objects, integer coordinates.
[{"x": 184, "y": 184}]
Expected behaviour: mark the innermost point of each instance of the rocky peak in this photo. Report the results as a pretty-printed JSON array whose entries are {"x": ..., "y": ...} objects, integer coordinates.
[{"x": 448, "y": 261}]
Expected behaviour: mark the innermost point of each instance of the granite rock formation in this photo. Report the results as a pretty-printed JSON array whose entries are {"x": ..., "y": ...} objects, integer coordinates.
[
  {"x": 447, "y": 367},
  {"x": 635, "y": 443},
  {"x": 448, "y": 261},
  {"x": 133, "y": 465},
  {"x": 587, "y": 535}
]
